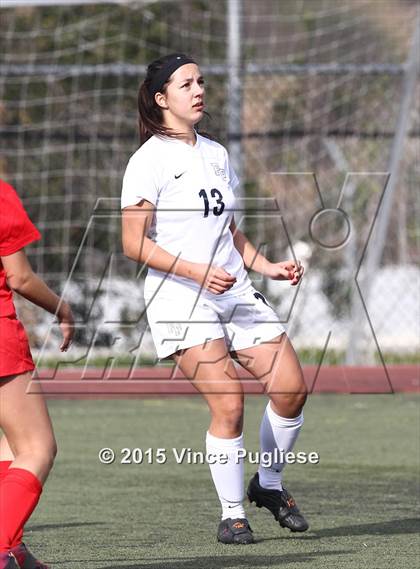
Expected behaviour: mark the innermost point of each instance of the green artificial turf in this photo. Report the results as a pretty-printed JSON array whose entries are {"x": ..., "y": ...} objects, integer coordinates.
[{"x": 361, "y": 499}]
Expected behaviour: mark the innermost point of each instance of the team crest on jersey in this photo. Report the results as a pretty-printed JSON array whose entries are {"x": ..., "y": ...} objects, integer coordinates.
[{"x": 219, "y": 171}]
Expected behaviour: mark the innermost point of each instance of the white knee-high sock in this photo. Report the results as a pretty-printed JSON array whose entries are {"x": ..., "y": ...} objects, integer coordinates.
[
  {"x": 228, "y": 478},
  {"x": 276, "y": 432}
]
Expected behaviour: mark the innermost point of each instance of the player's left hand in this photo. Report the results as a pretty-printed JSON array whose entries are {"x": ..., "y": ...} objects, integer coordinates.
[
  {"x": 286, "y": 271},
  {"x": 67, "y": 327}
]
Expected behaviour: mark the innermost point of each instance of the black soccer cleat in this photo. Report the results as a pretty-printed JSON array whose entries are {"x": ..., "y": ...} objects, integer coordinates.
[
  {"x": 237, "y": 531},
  {"x": 280, "y": 503},
  {"x": 25, "y": 559},
  {"x": 8, "y": 561}
]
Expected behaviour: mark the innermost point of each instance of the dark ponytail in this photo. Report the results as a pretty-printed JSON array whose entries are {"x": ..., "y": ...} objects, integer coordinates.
[{"x": 150, "y": 114}]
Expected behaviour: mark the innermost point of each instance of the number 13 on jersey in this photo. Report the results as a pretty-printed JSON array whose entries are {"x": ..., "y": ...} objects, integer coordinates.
[{"x": 215, "y": 193}]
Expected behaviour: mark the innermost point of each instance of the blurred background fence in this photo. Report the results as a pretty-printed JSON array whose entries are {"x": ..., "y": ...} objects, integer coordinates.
[{"x": 318, "y": 103}]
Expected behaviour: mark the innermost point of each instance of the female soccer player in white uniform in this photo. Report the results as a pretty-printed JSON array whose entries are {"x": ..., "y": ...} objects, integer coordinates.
[{"x": 178, "y": 202}]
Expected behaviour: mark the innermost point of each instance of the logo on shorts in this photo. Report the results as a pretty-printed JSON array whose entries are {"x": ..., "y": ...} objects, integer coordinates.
[
  {"x": 174, "y": 329},
  {"x": 219, "y": 171},
  {"x": 261, "y": 297}
]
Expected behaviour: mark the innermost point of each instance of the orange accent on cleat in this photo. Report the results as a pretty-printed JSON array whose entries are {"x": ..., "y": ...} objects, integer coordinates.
[{"x": 238, "y": 525}]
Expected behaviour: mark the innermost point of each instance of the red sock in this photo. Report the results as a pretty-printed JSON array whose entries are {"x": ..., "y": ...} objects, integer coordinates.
[
  {"x": 19, "y": 494},
  {"x": 4, "y": 467}
]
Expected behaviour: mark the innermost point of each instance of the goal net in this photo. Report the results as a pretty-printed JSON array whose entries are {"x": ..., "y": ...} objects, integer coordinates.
[{"x": 322, "y": 93}]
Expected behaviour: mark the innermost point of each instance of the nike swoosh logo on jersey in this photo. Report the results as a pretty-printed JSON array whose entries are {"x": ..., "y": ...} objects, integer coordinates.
[{"x": 179, "y": 175}]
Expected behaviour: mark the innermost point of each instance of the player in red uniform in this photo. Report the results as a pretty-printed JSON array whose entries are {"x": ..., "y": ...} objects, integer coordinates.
[{"x": 28, "y": 447}]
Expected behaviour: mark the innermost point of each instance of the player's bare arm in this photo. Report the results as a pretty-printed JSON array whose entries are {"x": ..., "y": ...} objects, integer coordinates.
[
  {"x": 21, "y": 279},
  {"x": 136, "y": 221},
  {"x": 253, "y": 259}
]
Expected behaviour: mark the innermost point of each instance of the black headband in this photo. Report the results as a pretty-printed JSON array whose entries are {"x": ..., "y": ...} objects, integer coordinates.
[{"x": 159, "y": 80}]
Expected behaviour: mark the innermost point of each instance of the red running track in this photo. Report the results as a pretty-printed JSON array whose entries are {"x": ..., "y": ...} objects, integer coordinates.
[{"x": 166, "y": 381}]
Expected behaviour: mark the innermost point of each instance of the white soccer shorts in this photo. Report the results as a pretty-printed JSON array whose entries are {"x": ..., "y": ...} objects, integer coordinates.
[{"x": 187, "y": 319}]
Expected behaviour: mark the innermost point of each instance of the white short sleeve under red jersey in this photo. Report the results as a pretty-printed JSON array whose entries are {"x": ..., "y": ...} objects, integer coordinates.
[{"x": 192, "y": 189}]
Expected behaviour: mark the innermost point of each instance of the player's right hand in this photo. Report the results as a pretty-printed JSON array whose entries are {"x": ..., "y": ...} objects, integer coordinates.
[
  {"x": 66, "y": 320},
  {"x": 213, "y": 278}
]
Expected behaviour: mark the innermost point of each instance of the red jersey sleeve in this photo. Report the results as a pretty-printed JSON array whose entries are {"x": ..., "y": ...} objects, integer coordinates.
[{"x": 16, "y": 229}]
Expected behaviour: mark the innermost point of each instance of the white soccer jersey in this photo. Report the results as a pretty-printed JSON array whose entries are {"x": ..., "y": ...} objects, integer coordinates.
[{"x": 192, "y": 189}]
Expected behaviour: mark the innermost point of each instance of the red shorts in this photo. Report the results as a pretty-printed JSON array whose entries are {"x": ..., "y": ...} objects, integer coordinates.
[{"x": 15, "y": 355}]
